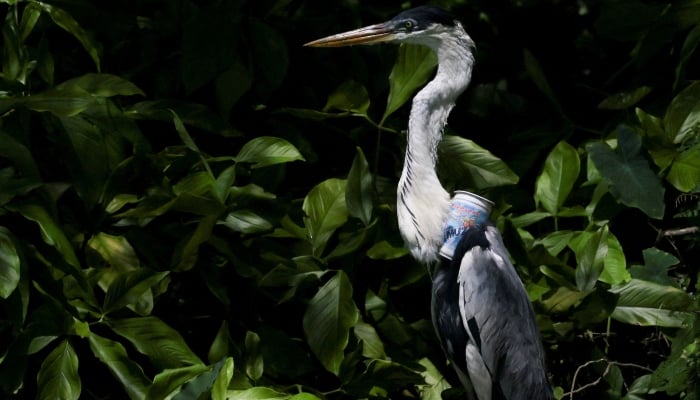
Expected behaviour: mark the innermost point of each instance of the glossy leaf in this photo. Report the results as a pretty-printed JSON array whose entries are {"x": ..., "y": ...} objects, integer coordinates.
[
  {"x": 615, "y": 264},
  {"x": 561, "y": 168},
  {"x": 58, "y": 376},
  {"x": 9, "y": 264},
  {"x": 358, "y": 194},
  {"x": 220, "y": 346},
  {"x": 265, "y": 150},
  {"x": 246, "y": 221},
  {"x": 684, "y": 173},
  {"x": 167, "y": 384},
  {"x": 327, "y": 321},
  {"x": 254, "y": 361},
  {"x": 627, "y": 172},
  {"x": 160, "y": 343},
  {"x": 127, "y": 372},
  {"x": 435, "y": 382},
  {"x": 413, "y": 67},
  {"x": 187, "y": 254},
  {"x": 326, "y": 211},
  {"x": 683, "y": 114},
  {"x": 218, "y": 390},
  {"x": 590, "y": 254},
  {"x": 650, "y": 304},
  {"x": 471, "y": 165}
]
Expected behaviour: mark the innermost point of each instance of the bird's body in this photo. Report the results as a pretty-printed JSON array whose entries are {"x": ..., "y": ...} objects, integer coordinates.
[{"x": 480, "y": 309}]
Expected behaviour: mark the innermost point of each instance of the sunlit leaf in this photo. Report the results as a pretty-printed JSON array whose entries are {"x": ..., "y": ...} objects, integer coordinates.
[
  {"x": 651, "y": 304},
  {"x": 684, "y": 173},
  {"x": 682, "y": 118},
  {"x": 326, "y": 211},
  {"x": 265, "y": 150},
  {"x": 254, "y": 361},
  {"x": 255, "y": 393},
  {"x": 413, "y": 67},
  {"x": 218, "y": 390},
  {"x": 435, "y": 382},
  {"x": 58, "y": 376},
  {"x": 561, "y": 168},
  {"x": 166, "y": 384},
  {"x": 615, "y": 264},
  {"x": 590, "y": 254},
  {"x": 9, "y": 264},
  {"x": 163, "y": 345},
  {"x": 128, "y": 373},
  {"x": 246, "y": 221},
  {"x": 358, "y": 194},
  {"x": 471, "y": 165},
  {"x": 627, "y": 172},
  {"x": 327, "y": 321},
  {"x": 555, "y": 242}
]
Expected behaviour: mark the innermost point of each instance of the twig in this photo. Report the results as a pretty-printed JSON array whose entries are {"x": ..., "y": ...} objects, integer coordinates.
[
  {"x": 597, "y": 381},
  {"x": 680, "y": 231}
]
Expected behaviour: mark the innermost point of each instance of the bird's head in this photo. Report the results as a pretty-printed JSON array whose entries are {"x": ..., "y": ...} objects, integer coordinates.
[{"x": 421, "y": 25}]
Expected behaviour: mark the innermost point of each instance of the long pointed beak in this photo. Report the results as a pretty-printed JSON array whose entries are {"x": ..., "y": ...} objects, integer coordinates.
[{"x": 368, "y": 35}]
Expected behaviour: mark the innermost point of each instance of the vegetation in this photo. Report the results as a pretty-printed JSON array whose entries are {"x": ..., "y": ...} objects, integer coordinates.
[{"x": 194, "y": 205}]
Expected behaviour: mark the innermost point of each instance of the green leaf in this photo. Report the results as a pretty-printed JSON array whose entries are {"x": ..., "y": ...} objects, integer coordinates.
[
  {"x": 656, "y": 265},
  {"x": 561, "y": 168},
  {"x": 255, "y": 393},
  {"x": 246, "y": 221},
  {"x": 372, "y": 346},
  {"x": 435, "y": 382},
  {"x": 9, "y": 264},
  {"x": 30, "y": 16},
  {"x": 220, "y": 346},
  {"x": 414, "y": 65},
  {"x": 692, "y": 40},
  {"x": 556, "y": 241},
  {"x": 358, "y": 194},
  {"x": 58, "y": 376},
  {"x": 650, "y": 304},
  {"x": 166, "y": 384},
  {"x": 349, "y": 97},
  {"x": 186, "y": 255},
  {"x": 156, "y": 340},
  {"x": 128, "y": 287},
  {"x": 327, "y": 321},
  {"x": 534, "y": 70},
  {"x": 100, "y": 85},
  {"x": 218, "y": 390},
  {"x": 591, "y": 258},
  {"x": 127, "y": 372},
  {"x": 471, "y": 165},
  {"x": 70, "y": 25},
  {"x": 682, "y": 118},
  {"x": 627, "y": 172},
  {"x": 51, "y": 232},
  {"x": 615, "y": 265},
  {"x": 384, "y": 250},
  {"x": 326, "y": 211},
  {"x": 190, "y": 114},
  {"x": 254, "y": 361},
  {"x": 623, "y": 100},
  {"x": 266, "y": 150},
  {"x": 231, "y": 85},
  {"x": 685, "y": 170}
]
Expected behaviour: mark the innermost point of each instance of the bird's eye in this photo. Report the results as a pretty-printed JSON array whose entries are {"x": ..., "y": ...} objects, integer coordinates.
[{"x": 409, "y": 25}]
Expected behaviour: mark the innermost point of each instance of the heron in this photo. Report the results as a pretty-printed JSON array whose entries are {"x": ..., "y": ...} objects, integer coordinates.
[{"x": 480, "y": 310}]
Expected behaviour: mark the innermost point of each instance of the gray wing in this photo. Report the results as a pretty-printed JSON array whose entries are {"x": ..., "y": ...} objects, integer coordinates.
[{"x": 504, "y": 345}]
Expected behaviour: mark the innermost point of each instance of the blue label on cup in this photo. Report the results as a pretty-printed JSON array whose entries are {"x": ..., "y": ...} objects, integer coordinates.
[{"x": 467, "y": 211}]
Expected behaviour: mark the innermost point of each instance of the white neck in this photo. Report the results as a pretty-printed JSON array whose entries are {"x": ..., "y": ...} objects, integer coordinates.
[{"x": 422, "y": 202}]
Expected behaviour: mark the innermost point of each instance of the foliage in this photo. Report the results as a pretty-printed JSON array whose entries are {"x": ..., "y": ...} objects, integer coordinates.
[{"x": 189, "y": 209}]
